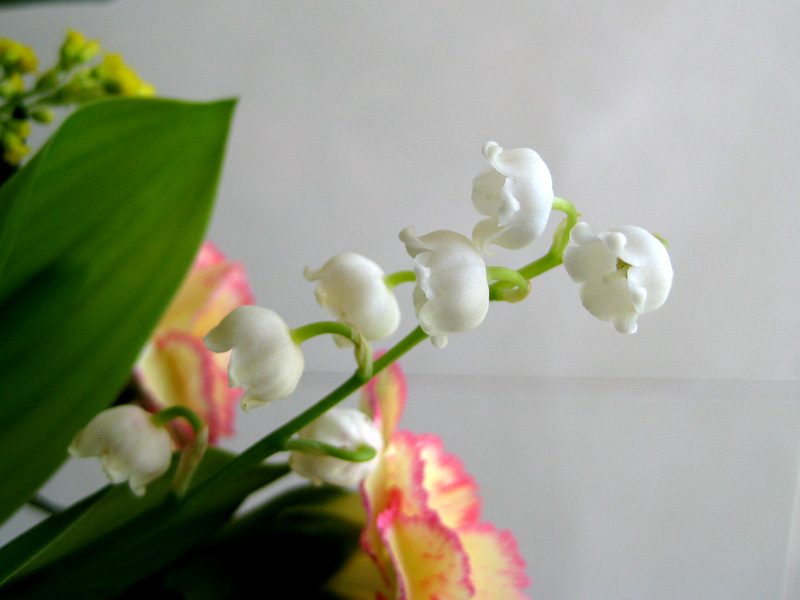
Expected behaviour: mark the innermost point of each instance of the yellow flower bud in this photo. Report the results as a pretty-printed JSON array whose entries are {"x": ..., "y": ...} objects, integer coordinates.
[
  {"x": 12, "y": 86},
  {"x": 17, "y": 57},
  {"x": 119, "y": 78},
  {"x": 14, "y": 149},
  {"x": 76, "y": 49}
]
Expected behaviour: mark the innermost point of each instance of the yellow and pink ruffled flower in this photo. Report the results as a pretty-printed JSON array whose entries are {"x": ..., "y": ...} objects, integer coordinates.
[
  {"x": 175, "y": 368},
  {"x": 424, "y": 535}
]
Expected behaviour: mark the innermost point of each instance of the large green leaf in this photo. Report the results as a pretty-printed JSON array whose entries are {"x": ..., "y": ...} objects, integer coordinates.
[
  {"x": 103, "y": 225},
  {"x": 114, "y": 539},
  {"x": 295, "y": 543}
]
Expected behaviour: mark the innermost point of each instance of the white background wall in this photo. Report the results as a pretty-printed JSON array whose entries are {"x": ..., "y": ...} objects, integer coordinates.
[{"x": 358, "y": 119}]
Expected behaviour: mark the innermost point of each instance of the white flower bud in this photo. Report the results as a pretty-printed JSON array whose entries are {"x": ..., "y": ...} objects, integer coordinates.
[
  {"x": 345, "y": 428},
  {"x": 129, "y": 444},
  {"x": 625, "y": 272},
  {"x": 351, "y": 287},
  {"x": 517, "y": 196},
  {"x": 452, "y": 292},
  {"x": 265, "y": 360}
]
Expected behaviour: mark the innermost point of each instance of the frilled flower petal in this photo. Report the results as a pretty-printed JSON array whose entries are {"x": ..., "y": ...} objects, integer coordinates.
[
  {"x": 452, "y": 492},
  {"x": 176, "y": 369},
  {"x": 517, "y": 196},
  {"x": 129, "y": 445},
  {"x": 496, "y": 569},
  {"x": 352, "y": 289},
  {"x": 428, "y": 558},
  {"x": 452, "y": 292},
  {"x": 345, "y": 428},
  {"x": 265, "y": 360},
  {"x": 625, "y": 272},
  {"x": 384, "y": 398},
  {"x": 401, "y": 468}
]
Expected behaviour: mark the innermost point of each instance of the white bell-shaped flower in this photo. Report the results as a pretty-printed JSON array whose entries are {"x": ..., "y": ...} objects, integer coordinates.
[
  {"x": 130, "y": 446},
  {"x": 452, "y": 292},
  {"x": 343, "y": 428},
  {"x": 265, "y": 360},
  {"x": 625, "y": 271},
  {"x": 517, "y": 196},
  {"x": 352, "y": 289}
]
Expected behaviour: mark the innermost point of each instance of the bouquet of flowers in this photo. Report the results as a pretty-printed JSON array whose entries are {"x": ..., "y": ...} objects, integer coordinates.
[{"x": 130, "y": 343}]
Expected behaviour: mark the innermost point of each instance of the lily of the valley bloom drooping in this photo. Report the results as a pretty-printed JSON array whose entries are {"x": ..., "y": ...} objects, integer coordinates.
[
  {"x": 352, "y": 288},
  {"x": 343, "y": 428},
  {"x": 452, "y": 292},
  {"x": 624, "y": 272},
  {"x": 175, "y": 368},
  {"x": 129, "y": 444},
  {"x": 424, "y": 537},
  {"x": 516, "y": 195},
  {"x": 265, "y": 359}
]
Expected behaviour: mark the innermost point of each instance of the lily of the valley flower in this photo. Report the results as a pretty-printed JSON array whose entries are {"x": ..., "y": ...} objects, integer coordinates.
[
  {"x": 424, "y": 535},
  {"x": 343, "y": 428},
  {"x": 517, "y": 196},
  {"x": 130, "y": 446},
  {"x": 351, "y": 287},
  {"x": 452, "y": 292},
  {"x": 625, "y": 272},
  {"x": 265, "y": 359},
  {"x": 175, "y": 368}
]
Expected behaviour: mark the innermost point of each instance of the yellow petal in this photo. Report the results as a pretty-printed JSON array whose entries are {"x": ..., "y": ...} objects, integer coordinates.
[
  {"x": 428, "y": 558},
  {"x": 497, "y": 570}
]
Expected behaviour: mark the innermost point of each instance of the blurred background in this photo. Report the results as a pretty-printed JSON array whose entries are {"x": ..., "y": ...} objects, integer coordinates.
[{"x": 658, "y": 465}]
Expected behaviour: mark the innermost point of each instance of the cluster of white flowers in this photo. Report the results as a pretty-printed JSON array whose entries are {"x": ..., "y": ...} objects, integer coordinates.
[{"x": 623, "y": 273}]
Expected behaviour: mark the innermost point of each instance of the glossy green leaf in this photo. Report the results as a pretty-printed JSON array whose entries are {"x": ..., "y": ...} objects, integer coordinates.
[
  {"x": 106, "y": 221},
  {"x": 119, "y": 539},
  {"x": 296, "y": 543}
]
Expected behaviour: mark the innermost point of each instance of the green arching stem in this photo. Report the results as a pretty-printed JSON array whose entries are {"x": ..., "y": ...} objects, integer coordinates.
[
  {"x": 163, "y": 417},
  {"x": 511, "y": 285},
  {"x": 306, "y": 332},
  {"x": 274, "y": 442},
  {"x": 396, "y": 279},
  {"x": 361, "y": 454},
  {"x": 363, "y": 351},
  {"x": 554, "y": 256}
]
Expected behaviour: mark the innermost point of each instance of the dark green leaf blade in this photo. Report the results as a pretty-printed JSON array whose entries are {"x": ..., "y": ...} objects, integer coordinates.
[
  {"x": 113, "y": 214},
  {"x": 120, "y": 539}
]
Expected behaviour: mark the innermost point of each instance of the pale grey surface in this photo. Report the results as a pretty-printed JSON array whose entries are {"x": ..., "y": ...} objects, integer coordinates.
[{"x": 358, "y": 119}]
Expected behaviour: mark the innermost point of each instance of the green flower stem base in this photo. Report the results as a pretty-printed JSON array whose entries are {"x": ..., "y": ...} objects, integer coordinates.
[
  {"x": 396, "y": 279},
  {"x": 163, "y": 417},
  {"x": 362, "y": 350},
  {"x": 510, "y": 285},
  {"x": 361, "y": 454},
  {"x": 554, "y": 256}
]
